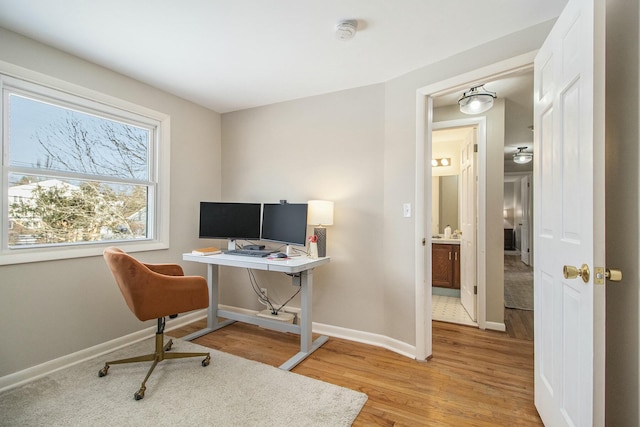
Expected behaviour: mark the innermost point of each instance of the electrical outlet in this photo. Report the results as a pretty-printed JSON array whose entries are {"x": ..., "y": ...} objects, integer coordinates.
[{"x": 264, "y": 291}]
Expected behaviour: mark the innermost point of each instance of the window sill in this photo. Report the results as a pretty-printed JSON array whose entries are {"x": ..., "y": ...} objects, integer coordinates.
[{"x": 24, "y": 256}]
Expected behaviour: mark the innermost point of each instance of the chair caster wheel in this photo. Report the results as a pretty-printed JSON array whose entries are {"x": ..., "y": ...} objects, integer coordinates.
[
  {"x": 206, "y": 361},
  {"x": 139, "y": 395},
  {"x": 102, "y": 372}
]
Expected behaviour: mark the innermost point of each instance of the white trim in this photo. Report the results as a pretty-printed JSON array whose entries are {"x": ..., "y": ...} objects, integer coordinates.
[
  {"x": 345, "y": 333},
  {"x": 423, "y": 297},
  {"x": 31, "y": 374},
  {"x": 161, "y": 233},
  {"x": 369, "y": 338},
  {"x": 496, "y": 326},
  {"x": 424, "y": 116},
  {"x": 25, "y": 376}
]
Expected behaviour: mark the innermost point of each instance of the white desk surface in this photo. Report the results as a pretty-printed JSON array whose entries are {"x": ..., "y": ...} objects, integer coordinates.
[{"x": 284, "y": 265}]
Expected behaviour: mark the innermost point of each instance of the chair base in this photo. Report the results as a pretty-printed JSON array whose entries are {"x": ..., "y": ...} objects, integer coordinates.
[{"x": 158, "y": 356}]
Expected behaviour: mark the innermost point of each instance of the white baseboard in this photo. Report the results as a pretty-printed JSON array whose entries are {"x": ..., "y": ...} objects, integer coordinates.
[
  {"x": 495, "y": 326},
  {"x": 348, "y": 334},
  {"x": 377, "y": 340},
  {"x": 30, "y": 374}
]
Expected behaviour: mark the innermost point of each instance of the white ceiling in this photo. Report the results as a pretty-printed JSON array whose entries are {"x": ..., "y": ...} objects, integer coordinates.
[{"x": 235, "y": 54}]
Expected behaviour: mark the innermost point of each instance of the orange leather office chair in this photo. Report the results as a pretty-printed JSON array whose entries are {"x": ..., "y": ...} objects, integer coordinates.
[{"x": 153, "y": 291}]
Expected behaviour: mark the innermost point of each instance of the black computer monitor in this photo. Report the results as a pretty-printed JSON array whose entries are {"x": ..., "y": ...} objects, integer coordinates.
[
  {"x": 233, "y": 221},
  {"x": 285, "y": 223}
]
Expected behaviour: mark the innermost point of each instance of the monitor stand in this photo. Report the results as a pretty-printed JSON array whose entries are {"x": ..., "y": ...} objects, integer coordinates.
[
  {"x": 290, "y": 252},
  {"x": 231, "y": 245}
]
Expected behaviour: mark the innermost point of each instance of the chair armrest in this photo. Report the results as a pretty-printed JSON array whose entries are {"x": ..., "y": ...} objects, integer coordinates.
[{"x": 166, "y": 269}]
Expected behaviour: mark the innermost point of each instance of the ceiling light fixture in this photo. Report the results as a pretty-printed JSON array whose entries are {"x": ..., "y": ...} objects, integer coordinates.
[
  {"x": 346, "y": 30},
  {"x": 476, "y": 100},
  {"x": 521, "y": 157}
]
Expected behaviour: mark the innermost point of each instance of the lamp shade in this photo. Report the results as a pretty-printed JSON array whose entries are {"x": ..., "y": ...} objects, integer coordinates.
[{"x": 320, "y": 212}]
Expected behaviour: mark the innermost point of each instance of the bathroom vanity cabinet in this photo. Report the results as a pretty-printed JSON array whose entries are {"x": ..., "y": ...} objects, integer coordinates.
[{"x": 445, "y": 261}]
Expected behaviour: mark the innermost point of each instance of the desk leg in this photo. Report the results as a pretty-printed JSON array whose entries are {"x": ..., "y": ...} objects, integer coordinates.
[
  {"x": 307, "y": 345},
  {"x": 212, "y": 311}
]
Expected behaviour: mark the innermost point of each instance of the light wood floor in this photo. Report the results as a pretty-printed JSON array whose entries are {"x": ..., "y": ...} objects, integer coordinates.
[
  {"x": 519, "y": 323},
  {"x": 475, "y": 378}
]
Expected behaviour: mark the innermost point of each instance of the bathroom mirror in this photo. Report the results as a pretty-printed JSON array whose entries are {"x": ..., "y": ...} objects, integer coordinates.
[{"x": 445, "y": 203}]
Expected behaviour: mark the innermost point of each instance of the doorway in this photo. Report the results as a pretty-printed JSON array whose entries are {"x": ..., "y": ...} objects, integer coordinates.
[
  {"x": 424, "y": 127},
  {"x": 453, "y": 224},
  {"x": 518, "y": 255}
]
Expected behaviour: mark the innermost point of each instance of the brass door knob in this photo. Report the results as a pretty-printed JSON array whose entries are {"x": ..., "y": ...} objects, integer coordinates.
[{"x": 571, "y": 272}]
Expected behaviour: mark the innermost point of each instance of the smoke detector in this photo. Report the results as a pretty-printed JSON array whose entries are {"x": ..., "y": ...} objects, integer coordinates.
[{"x": 346, "y": 30}]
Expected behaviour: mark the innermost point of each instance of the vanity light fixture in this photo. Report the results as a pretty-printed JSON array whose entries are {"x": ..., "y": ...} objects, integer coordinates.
[
  {"x": 476, "y": 100},
  {"x": 445, "y": 161},
  {"x": 522, "y": 157}
]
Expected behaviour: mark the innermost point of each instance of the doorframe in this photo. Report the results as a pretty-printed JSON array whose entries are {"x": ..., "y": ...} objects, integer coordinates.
[{"x": 424, "y": 128}]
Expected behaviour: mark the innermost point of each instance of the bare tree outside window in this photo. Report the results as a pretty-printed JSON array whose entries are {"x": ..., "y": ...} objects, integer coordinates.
[{"x": 76, "y": 177}]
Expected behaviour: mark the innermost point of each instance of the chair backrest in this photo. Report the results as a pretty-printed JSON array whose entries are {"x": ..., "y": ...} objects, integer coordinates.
[{"x": 151, "y": 295}]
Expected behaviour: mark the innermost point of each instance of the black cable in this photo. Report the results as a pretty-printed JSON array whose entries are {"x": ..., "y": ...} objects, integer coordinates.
[
  {"x": 256, "y": 288},
  {"x": 263, "y": 298}
]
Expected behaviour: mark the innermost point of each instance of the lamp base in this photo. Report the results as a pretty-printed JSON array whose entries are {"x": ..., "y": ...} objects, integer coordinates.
[{"x": 321, "y": 233}]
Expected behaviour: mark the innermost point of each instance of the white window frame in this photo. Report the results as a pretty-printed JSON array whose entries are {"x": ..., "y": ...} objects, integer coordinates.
[{"x": 159, "y": 152}]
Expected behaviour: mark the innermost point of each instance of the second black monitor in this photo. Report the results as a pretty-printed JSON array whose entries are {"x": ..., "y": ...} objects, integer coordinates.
[{"x": 285, "y": 223}]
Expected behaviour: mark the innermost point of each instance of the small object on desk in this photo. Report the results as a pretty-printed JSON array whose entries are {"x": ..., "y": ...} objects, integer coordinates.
[
  {"x": 278, "y": 255},
  {"x": 212, "y": 250},
  {"x": 313, "y": 247}
]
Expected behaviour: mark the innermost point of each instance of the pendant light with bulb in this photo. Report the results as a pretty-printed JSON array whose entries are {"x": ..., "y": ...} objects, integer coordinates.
[
  {"x": 476, "y": 100},
  {"x": 521, "y": 157}
]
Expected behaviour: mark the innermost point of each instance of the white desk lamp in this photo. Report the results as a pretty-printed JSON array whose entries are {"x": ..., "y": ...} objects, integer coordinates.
[{"x": 320, "y": 215}]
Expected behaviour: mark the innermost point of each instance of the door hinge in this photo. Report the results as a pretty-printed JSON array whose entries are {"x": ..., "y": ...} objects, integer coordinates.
[
  {"x": 475, "y": 148},
  {"x": 475, "y": 290}
]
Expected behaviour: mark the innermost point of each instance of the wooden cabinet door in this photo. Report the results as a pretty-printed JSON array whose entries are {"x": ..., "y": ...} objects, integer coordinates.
[{"x": 441, "y": 262}]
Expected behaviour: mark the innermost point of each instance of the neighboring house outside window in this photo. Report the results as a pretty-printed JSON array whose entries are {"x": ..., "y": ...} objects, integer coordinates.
[{"x": 79, "y": 174}]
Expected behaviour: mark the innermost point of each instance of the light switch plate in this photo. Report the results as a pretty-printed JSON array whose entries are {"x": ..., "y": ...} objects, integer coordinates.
[{"x": 406, "y": 210}]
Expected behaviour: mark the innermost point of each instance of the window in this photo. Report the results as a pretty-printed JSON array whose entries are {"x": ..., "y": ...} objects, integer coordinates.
[{"x": 79, "y": 173}]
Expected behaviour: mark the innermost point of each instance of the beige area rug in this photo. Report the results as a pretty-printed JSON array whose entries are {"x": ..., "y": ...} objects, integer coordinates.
[
  {"x": 231, "y": 391},
  {"x": 518, "y": 283}
]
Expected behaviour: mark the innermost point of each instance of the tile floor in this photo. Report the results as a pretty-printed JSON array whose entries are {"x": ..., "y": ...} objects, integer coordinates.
[{"x": 449, "y": 309}]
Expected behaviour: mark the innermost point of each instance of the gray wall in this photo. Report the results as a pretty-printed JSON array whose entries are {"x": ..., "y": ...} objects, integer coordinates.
[
  {"x": 324, "y": 147},
  {"x": 622, "y": 212},
  {"x": 357, "y": 147},
  {"x": 55, "y": 308}
]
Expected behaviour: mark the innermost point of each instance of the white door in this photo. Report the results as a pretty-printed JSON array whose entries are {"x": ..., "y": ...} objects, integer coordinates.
[
  {"x": 569, "y": 218},
  {"x": 523, "y": 223},
  {"x": 468, "y": 220}
]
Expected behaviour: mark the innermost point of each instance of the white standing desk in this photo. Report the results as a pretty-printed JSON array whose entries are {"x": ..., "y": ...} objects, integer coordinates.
[{"x": 302, "y": 265}]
